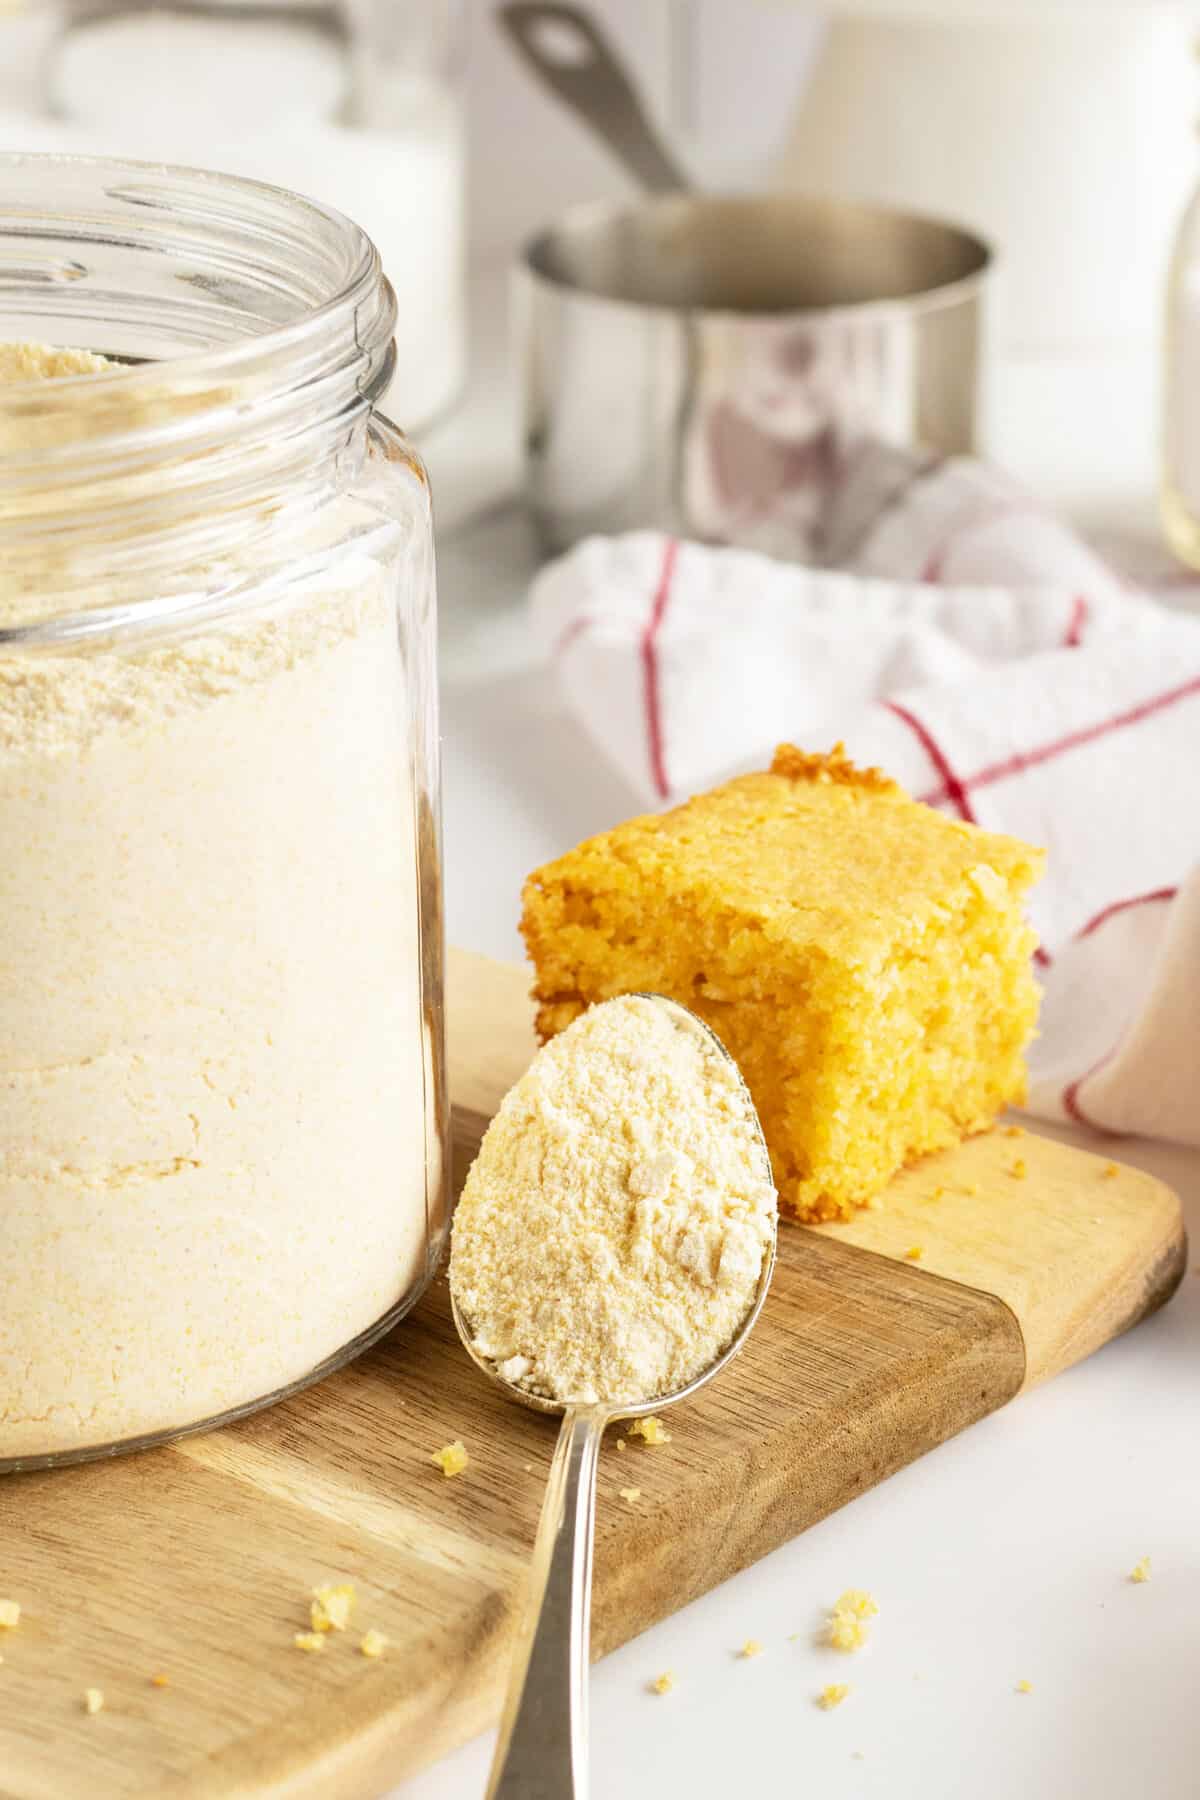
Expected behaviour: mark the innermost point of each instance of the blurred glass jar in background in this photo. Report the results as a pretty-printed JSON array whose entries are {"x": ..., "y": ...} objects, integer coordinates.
[
  {"x": 356, "y": 103},
  {"x": 1179, "y": 492}
]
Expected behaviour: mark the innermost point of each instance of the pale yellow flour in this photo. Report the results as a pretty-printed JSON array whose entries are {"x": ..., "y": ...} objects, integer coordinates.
[
  {"x": 212, "y": 1060},
  {"x": 611, "y": 1234}
]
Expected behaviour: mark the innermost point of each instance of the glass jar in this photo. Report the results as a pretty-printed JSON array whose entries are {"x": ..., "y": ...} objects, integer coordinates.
[
  {"x": 222, "y": 1100},
  {"x": 356, "y": 102}
]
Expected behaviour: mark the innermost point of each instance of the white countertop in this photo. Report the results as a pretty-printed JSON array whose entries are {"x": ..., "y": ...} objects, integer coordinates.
[{"x": 1003, "y": 1556}]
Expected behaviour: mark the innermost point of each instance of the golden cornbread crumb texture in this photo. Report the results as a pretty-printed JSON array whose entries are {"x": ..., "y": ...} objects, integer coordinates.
[
  {"x": 865, "y": 959},
  {"x": 664, "y": 1683},
  {"x": 10, "y": 1614},
  {"x": 914, "y": 1254},
  {"x": 847, "y": 1627},
  {"x": 611, "y": 1234},
  {"x": 1024, "y": 1687},
  {"x": 93, "y": 1700},
  {"x": 1110, "y": 1171},
  {"x": 373, "y": 1644},
  {"x": 630, "y": 1494},
  {"x": 160, "y": 1681},
  {"x": 451, "y": 1459},
  {"x": 1140, "y": 1570},
  {"x": 332, "y": 1606},
  {"x": 751, "y": 1647},
  {"x": 651, "y": 1431},
  {"x": 833, "y": 1695},
  {"x": 1018, "y": 1170},
  {"x": 1014, "y": 1131},
  {"x": 311, "y": 1641}
]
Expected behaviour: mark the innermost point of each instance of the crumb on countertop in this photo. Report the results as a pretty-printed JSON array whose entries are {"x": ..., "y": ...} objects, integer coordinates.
[
  {"x": 631, "y": 1494},
  {"x": 833, "y": 1695},
  {"x": 651, "y": 1431},
  {"x": 1140, "y": 1570},
  {"x": 374, "y": 1643},
  {"x": 664, "y": 1683},
  {"x": 93, "y": 1701},
  {"x": 10, "y": 1614},
  {"x": 847, "y": 1627},
  {"x": 311, "y": 1641},
  {"x": 1024, "y": 1687},
  {"x": 451, "y": 1459},
  {"x": 750, "y": 1648},
  {"x": 332, "y": 1605}
]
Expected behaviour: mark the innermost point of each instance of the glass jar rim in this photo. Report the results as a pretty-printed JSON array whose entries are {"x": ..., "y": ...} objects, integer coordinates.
[{"x": 253, "y": 327}]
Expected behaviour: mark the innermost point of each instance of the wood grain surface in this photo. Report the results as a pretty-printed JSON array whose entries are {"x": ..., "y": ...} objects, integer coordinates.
[{"x": 195, "y": 1561}]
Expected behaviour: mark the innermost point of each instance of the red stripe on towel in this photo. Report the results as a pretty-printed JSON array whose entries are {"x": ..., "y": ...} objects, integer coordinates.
[
  {"x": 952, "y": 788},
  {"x": 651, "y": 685}
]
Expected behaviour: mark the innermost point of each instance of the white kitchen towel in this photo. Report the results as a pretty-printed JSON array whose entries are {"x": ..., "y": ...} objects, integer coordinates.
[{"x": 1050, "y": 703}]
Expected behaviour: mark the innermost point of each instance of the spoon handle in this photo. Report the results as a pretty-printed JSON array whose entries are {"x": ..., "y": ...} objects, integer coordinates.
[
  {"x": 566, "y": 49},
  {"x": 542, "y": 1749}
]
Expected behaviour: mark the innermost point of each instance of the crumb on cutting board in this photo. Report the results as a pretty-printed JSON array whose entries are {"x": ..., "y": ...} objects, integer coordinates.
[
  {"x": 93, "y": 1701},
  {"x": 10, "y": 1614},
  {"x": 374, "y": 1643},
  {"x": 160, "y": 1681},
  {"x": 311, "y": 1641},
  {"x": 451, "y": 1459},
  {"x": 1110, "y": 1171},
  {"x": 332, "y": 1605},
  {"x": 1018, "y": 1170},
  {"x": 914, "y": 1253},
  {"x": 651, "y": 1431},
  {"x": 629, "y": 1495}
]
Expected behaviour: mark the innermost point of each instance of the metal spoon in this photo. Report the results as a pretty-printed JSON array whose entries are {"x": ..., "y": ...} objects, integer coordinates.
[
  {"x": 569, "y": 54},
  {"x": 542, "y": 1749}
]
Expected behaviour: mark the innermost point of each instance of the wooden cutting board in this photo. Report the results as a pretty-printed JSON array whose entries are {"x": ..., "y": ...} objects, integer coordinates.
[{"x": 195, "y": 1561}]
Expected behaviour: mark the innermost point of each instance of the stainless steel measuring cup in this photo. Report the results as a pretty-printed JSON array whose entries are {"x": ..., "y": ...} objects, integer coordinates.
[{"x": 732, "y": 368}]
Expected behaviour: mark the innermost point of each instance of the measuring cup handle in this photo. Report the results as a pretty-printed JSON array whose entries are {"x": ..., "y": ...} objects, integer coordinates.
[
  {"x": 542, "y": 1749},
  {"x": 574, "y": 60}
]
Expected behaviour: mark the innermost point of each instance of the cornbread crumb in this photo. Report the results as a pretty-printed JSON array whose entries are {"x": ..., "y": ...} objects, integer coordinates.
[
  {"x": 1140, "y": 1570},
  {"x": 374, "y": 1643},
  {"x": 663, "y": 1684},
  {"x": 750, "y": 1648},
  {"x": 864, "y": 959},
  {"x": 451, "y": 1459},
  {"x": 613, "y": 1228},
  {"x": 1014, "y": 1131},
  {"x": 93, "y": 1701},
  {"x": 914, "y": 1254},
  {"x": 620, "y": 1443},
  {"x": 1018, "y": 1170},
  {"x": 160, "y": 1681},
  {"x": 10, "y": 1614},
  {"x": 1109, "y": 1172},
  {"x": 833, "y": 1695},
  {"x": 311, "y": 1641},
  {"x": 631, "y": 1494},
  {"x": 971, "y": 1189},
  {"x": 874, "y": 1204},
  {"x": 332, "y": 1606},
  {"x": 651, "y": 1431},
  {"x": 528, "y": 1468},
  {"x": 847, "y": 1630},
  {"x": 1024, "y": 1687}
]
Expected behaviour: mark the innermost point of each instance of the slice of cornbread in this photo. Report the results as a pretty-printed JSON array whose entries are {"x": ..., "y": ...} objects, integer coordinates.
[{"x": 865, "y": 959}]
